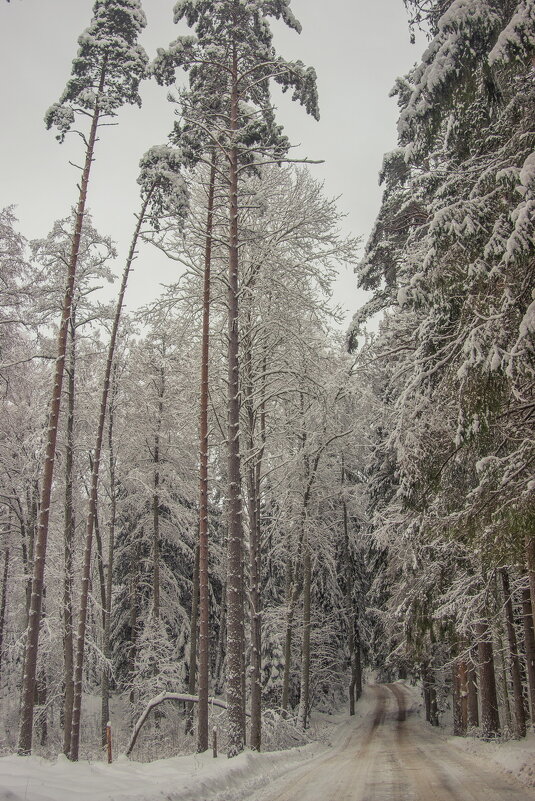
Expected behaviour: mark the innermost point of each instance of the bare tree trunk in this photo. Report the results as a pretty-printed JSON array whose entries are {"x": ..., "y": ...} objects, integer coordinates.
[
  {"x": 254, "y": 468},
  {"x": 352, "y": 645},
  {"x": 69, "y": 527},
  {"x": 292, "y": 594},
  {"x": 473, "y": 712},
  {"x": 358, "y": 668},
  {"x": 221, "y": 641},
  {"x": 192, "y": 679},
  {"x": 529, "y": 643},
  {"x": 132, "y": 650},
  {"x": 3, "y": 603},
  {"x": 235, "y": 628},
  {"x": 456, "y": 693},
  {"x": 34, "y": 624},
  {"x": 106, "y": 649},
  {"x": 86, "y": 570},
  {"x": 514, "y": 665},
  {"x": 463, "y": 692},
  {"x": 156, "y": 499},
  {"x": 530, "y": 562},
  {"x": 304, "y": 700},
  {"x": 204, "y": 595},
  {"x": 490, "y": 721}
]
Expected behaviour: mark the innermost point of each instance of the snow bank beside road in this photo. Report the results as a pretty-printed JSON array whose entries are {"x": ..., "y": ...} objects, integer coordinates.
[
  {"x": 185, "y": 778},
  {"x": 515, "y": 757}
]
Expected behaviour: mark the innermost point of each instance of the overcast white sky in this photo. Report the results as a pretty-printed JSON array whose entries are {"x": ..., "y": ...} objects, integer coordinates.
[{"x": 358, "y": 47}]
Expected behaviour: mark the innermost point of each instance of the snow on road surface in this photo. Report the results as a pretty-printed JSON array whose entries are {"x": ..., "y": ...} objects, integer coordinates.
[
  {"x": 383, "y": 754},
  {"x": 393, "y": 756}
]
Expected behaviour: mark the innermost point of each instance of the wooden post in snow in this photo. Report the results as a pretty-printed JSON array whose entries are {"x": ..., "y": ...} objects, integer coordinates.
[{"x": 108, "y": 742}]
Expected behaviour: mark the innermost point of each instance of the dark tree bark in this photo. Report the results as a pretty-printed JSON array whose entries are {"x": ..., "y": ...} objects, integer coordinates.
[
  {"x": 530, "y": 562},
  {"x": 514, "y": 664},
  {"x": 204, "y": 595},
  {"x": 473, "y": 712},
  {"x": 490, "y": 721},
  {"x": 34, "y": 624}
]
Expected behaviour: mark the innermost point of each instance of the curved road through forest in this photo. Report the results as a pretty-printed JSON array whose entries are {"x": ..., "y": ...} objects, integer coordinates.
[{"x": 392, "y": 756}]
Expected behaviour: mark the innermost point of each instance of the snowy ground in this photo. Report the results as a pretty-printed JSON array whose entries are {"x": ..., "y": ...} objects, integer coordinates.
[{"x": 383, "y": 754}]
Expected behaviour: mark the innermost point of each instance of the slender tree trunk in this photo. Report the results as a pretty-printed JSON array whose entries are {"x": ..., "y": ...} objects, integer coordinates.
[
  {"x": 34, "y": 623},
  {"x": 463, "y": 692},
  {"x": 106, "y": 645},
  {"x": 304, "y": 700},
  {"x": 156, "y": 501},
  {"x": 529, "y": 643},
  {"x": 204, "y": 595},
  {"x": 86, "y": 569},
  {"x": 456, "y": 693},
  {"x": 235, "y": 631},
  {"x": 291, "y": 599},
  {"x": 490, "y": 721},
  {"x": 358, "y": 668},
  {"x": 530, "y": 562},
  {"x": 192, "y": 678},
  {"x": 221, "y": 642},
  {"x": 69, "y": 527},
  {"x": 3, "y": 603},
  {"x": 254, "y": 469},
  {"x": 351, "y": 640},
  {"x": 514, "y": 665}
]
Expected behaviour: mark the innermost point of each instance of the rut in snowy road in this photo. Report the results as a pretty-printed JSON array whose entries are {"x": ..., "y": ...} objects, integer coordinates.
[{"x": 392, "y": 756}]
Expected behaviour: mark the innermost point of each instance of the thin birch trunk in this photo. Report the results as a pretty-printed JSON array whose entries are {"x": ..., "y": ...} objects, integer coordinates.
[
  {"x": 34, "y": 624},
  {"x": 204, "y": 595}
]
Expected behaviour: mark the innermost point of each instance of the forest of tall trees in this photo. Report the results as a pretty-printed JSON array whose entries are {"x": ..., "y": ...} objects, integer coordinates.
[{"x": 221, "y": 508}]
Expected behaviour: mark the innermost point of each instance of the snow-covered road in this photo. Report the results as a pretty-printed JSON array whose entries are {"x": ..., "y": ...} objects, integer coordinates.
[
  {"x": 392, "y": 756},
  {"x": 384, "y": 753}
]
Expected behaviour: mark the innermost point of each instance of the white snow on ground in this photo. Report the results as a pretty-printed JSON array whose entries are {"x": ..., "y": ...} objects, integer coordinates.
[
  {"x": 185, "y": 778},
  {"x": 515, "y": 757},
  {"x": 203, "y": 778}
]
